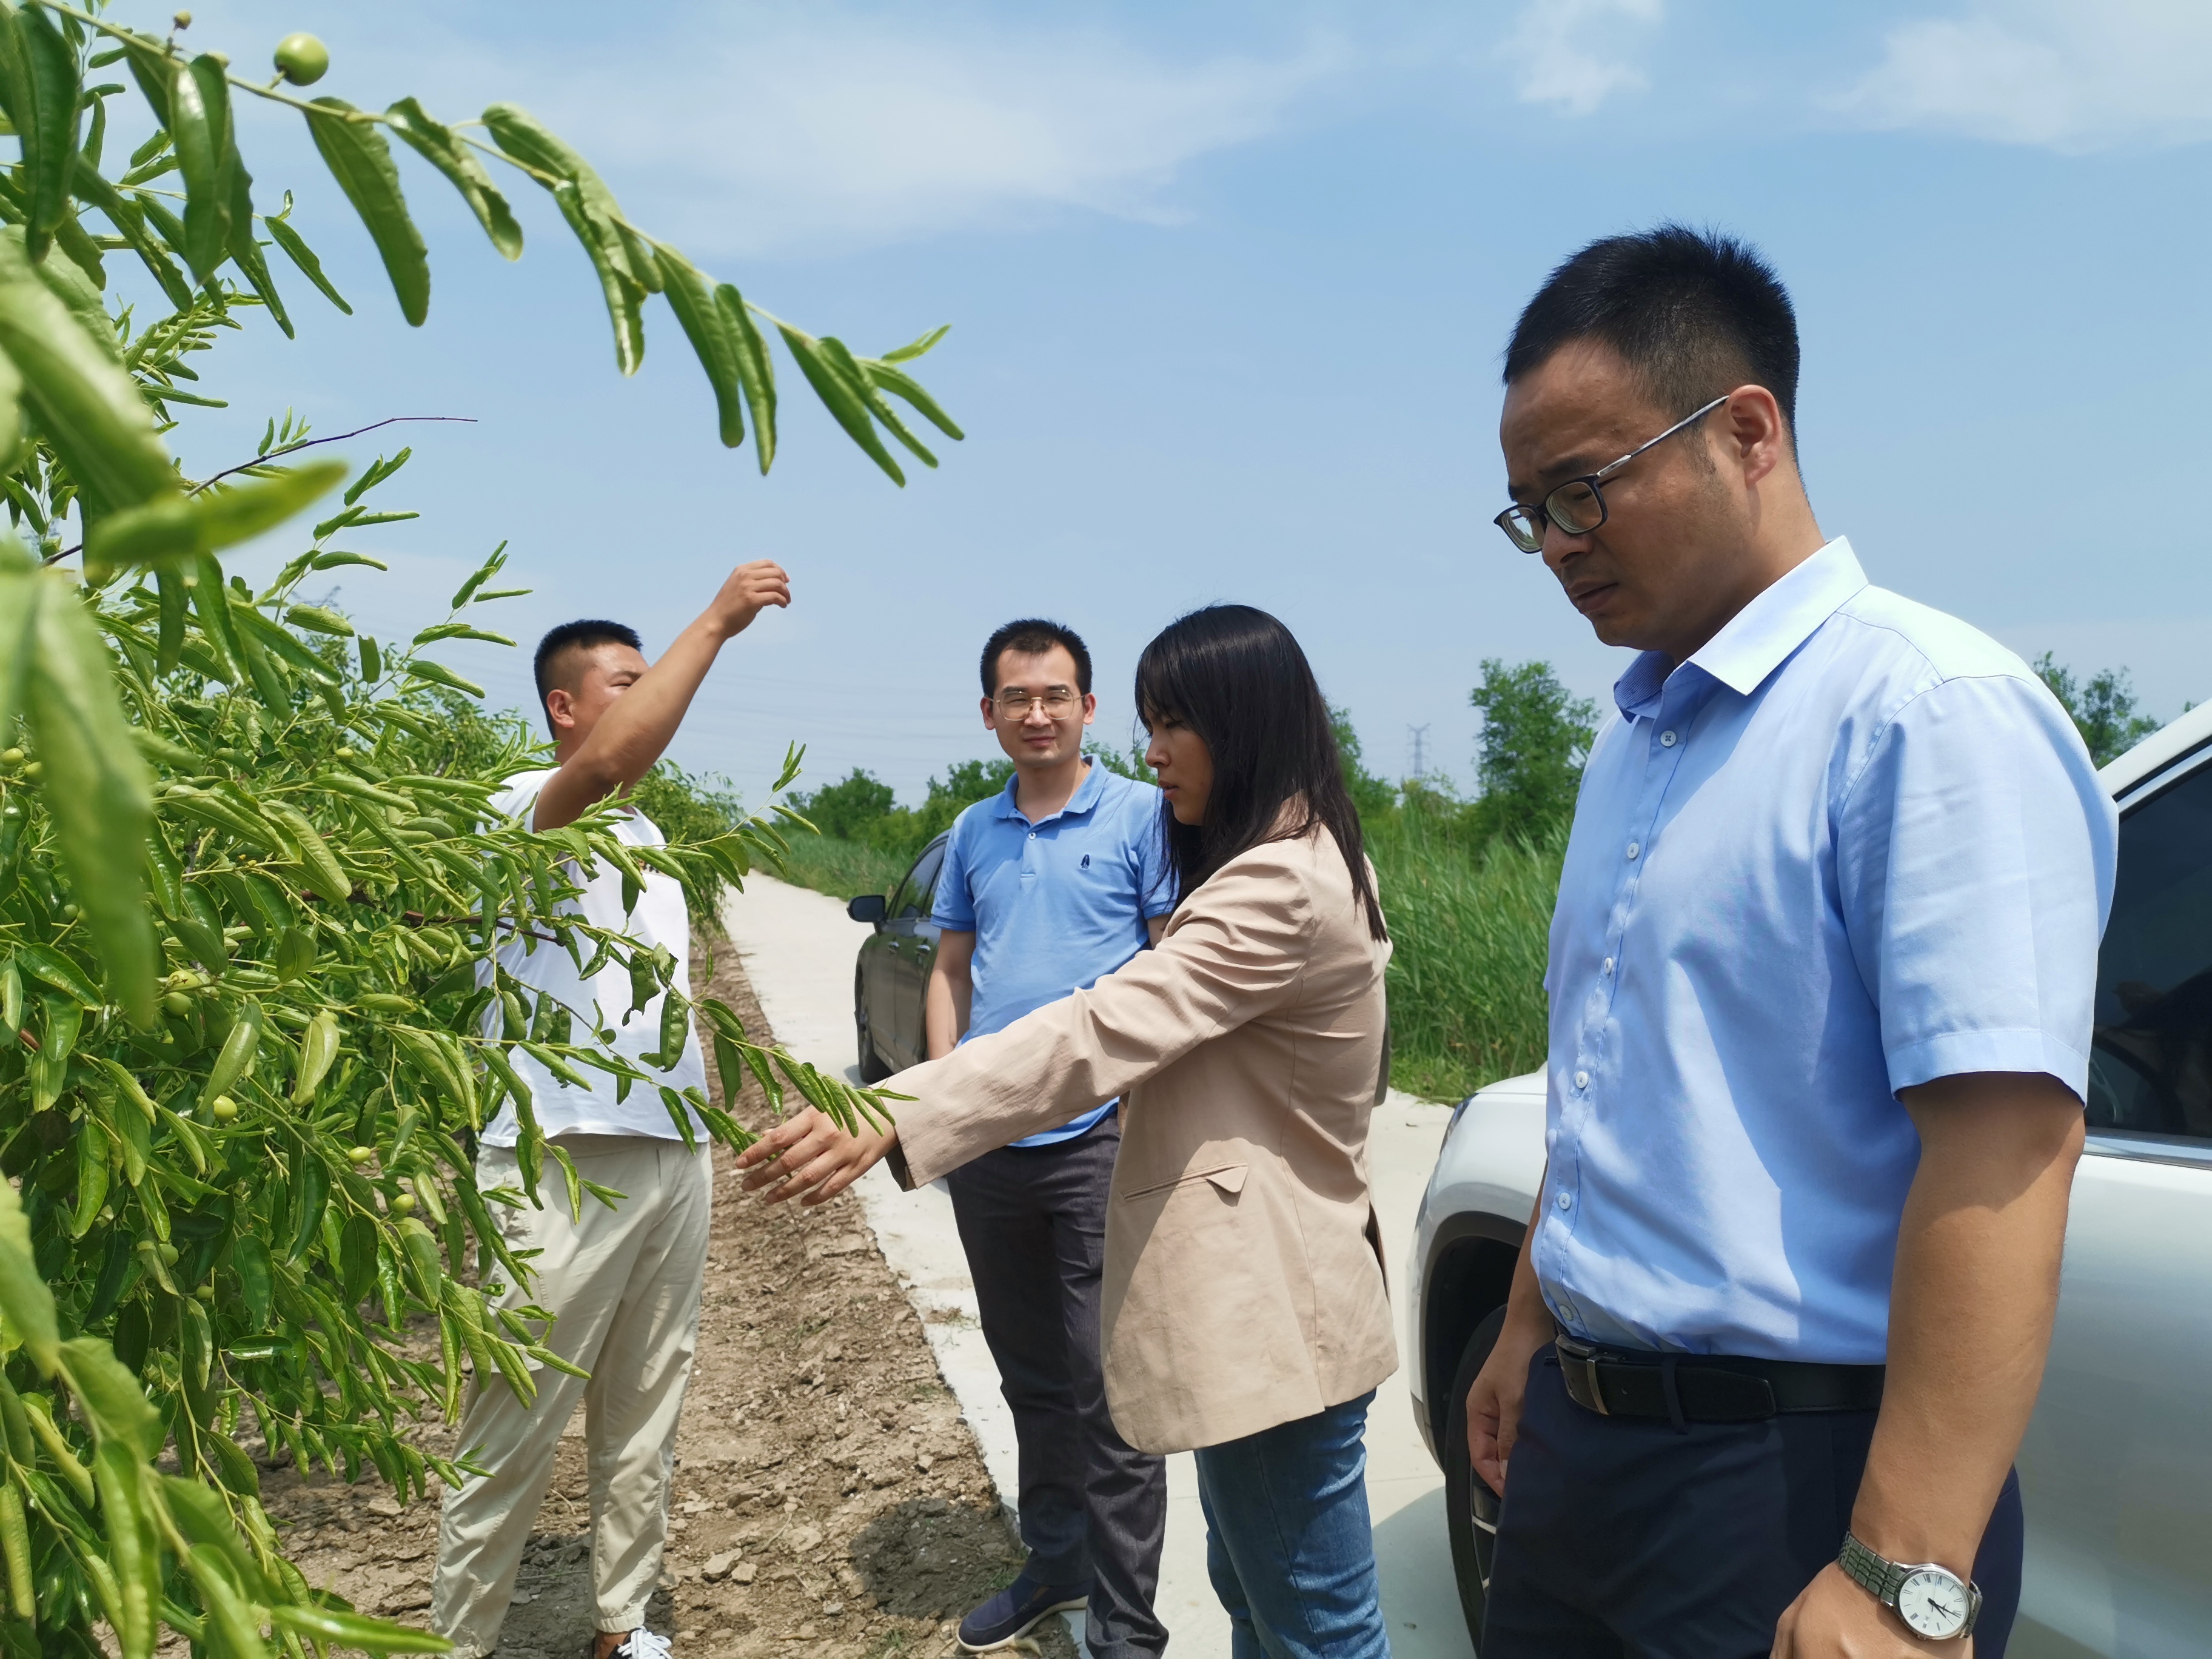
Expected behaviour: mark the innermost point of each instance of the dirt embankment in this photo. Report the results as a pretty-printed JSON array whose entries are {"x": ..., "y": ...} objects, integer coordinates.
[{"x": 829, "y": 1499}]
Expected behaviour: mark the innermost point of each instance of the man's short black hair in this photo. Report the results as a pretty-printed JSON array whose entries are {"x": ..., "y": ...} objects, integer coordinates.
[
  {"x": 1029, "y": 637},
  {"x": 582, "y": 634},
  {"x": 1695, "y": 313}
]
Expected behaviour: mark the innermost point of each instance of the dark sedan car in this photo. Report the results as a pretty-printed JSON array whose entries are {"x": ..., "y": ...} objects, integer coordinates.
[{"x": 892, "y": 974}]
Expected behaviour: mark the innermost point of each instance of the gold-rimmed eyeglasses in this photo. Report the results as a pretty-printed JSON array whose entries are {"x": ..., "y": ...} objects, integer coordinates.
[
  {"x": 1576, "y": 505},
  {"x": 1058, "y": 703}
]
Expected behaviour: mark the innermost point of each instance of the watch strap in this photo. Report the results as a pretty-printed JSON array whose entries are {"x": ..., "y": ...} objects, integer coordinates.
[
  {"x": 1877, "y": 1574},
  {"x": 1882, "y": 1578}
]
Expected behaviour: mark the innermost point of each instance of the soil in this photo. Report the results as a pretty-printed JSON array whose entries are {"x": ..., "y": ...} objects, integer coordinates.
[{"x": 828, "y": 1499}]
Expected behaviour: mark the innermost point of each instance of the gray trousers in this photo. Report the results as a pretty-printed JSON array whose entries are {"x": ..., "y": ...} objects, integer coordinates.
[{"x": 1033, "y": 1222}]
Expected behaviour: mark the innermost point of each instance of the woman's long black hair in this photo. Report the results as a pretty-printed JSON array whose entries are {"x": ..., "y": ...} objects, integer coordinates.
[{"x": 1235, "y": 676}]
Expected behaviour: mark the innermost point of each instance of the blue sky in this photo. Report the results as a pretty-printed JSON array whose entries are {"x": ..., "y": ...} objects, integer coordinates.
[{"x": 1228, "y": 285}]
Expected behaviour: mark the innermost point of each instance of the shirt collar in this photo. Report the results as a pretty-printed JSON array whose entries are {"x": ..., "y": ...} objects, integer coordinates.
[
  {"x": 1755, "y": 641},
  {"x": 1085, "y": 798}
]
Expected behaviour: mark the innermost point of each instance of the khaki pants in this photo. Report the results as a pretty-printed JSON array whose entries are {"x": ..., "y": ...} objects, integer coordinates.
[{"x": 625, "y": 1285}]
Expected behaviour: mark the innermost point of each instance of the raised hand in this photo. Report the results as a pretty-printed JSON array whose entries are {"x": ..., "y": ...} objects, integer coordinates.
[
  {"x": 749, "y": 590},
  {"x": 810, "y": 1159}
]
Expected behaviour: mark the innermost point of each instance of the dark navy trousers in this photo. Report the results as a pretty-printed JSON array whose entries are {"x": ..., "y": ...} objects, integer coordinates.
[
  {"x": 1091, "y": 1510},
  {"x": 1624, "y": 1538}
]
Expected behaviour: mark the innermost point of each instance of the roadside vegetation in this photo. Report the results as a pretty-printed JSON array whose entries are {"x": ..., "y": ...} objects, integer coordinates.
[{"x": 1467, "y": 882}]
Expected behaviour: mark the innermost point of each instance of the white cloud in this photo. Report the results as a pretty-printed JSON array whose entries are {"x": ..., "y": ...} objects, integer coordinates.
[
  {"x": 1572, "y": 53},
  {"x": 2069, "y": 75},
  {"x": 833, "y": 131}
]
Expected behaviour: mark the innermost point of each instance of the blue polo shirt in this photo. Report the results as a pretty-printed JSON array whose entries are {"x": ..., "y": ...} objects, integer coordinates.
[{"x": 1055, "y": 905}]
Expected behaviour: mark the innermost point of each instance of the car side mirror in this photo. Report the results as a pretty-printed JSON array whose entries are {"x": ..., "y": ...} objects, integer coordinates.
[{"x": 868, "y": 907}]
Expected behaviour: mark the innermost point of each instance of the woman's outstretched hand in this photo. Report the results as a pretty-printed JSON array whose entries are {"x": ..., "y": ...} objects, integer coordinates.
[{"x": 810, "y": 1159}]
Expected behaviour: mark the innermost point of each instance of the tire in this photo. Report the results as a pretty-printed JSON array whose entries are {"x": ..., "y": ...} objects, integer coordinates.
[
  {"x": 1470, "y": 1507},
  {"x": 873, "y": 1069}
]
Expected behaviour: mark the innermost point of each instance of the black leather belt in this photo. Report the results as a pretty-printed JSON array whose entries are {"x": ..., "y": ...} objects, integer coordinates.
[{"x": 1685, "y": 1388}]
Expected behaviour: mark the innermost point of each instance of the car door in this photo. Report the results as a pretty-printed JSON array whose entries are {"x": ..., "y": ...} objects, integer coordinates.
[
  {"x": 2116, "y": 1466},
  {"x": 909, "y": 946}
]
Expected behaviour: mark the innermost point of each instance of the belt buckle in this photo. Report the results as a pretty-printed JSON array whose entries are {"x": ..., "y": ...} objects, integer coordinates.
[{"x": 1573, "y": 1350}]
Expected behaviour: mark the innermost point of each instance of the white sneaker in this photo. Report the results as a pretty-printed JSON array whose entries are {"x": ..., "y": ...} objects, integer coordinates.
[{"x": 645, "y": 1644}]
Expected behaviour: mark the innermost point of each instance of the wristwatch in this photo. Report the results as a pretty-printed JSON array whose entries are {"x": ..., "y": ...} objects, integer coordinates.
[{"x": 1932, "y": 1602}]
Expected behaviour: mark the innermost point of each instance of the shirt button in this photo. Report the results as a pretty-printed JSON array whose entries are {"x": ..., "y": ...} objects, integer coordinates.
[
  {"x": 1582, "y": 1081},
  {"x": 1567, "y": 1312},
  {"x": 1667, "y": 740},
  {"x": 1565, "y": 1202},
  {"x": 1608, "y": 967},
  {"x": 1634, "y": 848}
]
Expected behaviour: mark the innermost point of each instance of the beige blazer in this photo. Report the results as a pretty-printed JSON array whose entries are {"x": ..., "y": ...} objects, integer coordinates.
[{"x": 1243, "y": 1281}]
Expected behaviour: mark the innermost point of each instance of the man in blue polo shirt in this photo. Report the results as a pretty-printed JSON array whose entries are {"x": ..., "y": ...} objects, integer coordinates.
[{"x": 1046, "y": 888}]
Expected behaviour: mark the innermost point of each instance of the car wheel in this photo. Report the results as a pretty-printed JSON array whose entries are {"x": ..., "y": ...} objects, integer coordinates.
[
  {"x": 873, "y": 1069},
  {"x": 1471, "y": 1508}
]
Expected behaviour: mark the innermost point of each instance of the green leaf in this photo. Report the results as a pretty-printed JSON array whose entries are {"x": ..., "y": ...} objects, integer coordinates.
[
  {"x": 109, "y": 1398},
  {"x": 297, "y": 251},
  {"x": 232, "y": 1629},
  {"x": 756, "y": 369},
  {"x": 437, "y": 145},
  {"x": 96, "y": 789},
  {"x": 246, "y": 253},
  {"x": 150, "y": 68},
  {"x": 483, "y": 574},
  {"x": 900, "y": 383},
  {"x": 316, "y": 619},
  {"x": 25, "y": 1301},
  {"x": 907, "y": 353},
  {"x": 350, "y": 1629},
  {"x": 134, "y": 1549},
  {"x": 183, "y": 527},
  {"x": 360, "y": 160},
  {"x": 46, "y": 120},
  {"x": 849, "y": 370},
  {"x": 21, "y": 594},
  {"x": 438, "y": 674},
  {"x": 691, "y": 297},
  {"x": 590, "y": 208},
  {"x": 458, "y": 631},
  {"x": 87, "y": 406},
  {"x": 843, "y": 399},
  {"x": 199, "y": 120},
  {"x": 93, "y": 190}
]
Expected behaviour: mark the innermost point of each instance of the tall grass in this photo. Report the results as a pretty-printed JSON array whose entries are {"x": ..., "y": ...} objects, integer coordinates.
[
  {"x": 840, "y": 868},
  {"x": 1470, "y": 924}
]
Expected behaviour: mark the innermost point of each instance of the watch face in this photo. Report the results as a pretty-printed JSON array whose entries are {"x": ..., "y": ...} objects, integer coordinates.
[{"x": 1932, "y": 1602}]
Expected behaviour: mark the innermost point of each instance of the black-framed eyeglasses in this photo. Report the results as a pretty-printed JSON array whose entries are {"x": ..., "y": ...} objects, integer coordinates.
[{"x": 1576, "y": 505}]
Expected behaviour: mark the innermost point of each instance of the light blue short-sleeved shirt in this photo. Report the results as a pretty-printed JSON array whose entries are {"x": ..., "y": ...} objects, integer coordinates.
[
  {"x": 1850, "y": 845},
  {"x": 1055, "y": 905}
]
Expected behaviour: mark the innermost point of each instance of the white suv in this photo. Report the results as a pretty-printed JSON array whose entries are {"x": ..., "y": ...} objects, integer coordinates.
[{"x": 2116, "y": 1468}]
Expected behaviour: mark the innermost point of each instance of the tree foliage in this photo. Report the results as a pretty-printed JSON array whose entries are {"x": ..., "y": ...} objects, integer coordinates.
[
  {"x": 1529, "y": 759},
  {"x": 2104, "y": 709},
  {"x": 251, "y": 882}
]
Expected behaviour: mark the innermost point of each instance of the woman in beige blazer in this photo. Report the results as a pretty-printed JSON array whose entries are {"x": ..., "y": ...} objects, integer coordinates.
[{"x": 1245, "y": 1310}]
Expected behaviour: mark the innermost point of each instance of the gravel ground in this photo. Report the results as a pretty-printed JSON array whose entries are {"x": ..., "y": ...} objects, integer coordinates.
[{"x": 829, "y": 1499}]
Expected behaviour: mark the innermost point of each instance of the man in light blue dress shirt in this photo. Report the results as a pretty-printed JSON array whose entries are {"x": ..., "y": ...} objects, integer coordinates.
[{"x": 1820, "y": 982}]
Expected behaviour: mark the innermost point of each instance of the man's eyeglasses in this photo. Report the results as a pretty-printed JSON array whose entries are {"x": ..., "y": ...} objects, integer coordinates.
[
  {"x": 1058, "y": 703},
  {"x": 1576, "y": 505}
]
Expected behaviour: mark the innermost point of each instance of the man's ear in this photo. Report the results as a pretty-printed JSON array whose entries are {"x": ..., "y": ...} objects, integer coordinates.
[
  {"x": 1755, "y": 435},
  {"x": 990, "y": 715},
  {"x": 1090, "y": 707},
  {"x": 560, "y": 709}
]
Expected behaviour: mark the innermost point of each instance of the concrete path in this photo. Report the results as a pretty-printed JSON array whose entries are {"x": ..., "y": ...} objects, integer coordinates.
[{"x": 797, "y": 948}]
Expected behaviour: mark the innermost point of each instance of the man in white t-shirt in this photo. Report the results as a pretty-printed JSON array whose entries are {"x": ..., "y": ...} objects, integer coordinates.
[{"x": 623, "y": 1282}]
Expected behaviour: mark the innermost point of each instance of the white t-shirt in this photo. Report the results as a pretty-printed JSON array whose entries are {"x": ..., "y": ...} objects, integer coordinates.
[{"x": 604, "y": 1000}]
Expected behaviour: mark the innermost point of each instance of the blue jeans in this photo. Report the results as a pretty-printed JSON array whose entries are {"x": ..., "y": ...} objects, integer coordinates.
[{"x": 1288, "y": 1544}]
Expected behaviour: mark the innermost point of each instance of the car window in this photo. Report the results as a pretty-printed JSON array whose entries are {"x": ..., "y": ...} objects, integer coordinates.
[
  {"x": 917, "y": 892},
  {"x": 2151, "y": 1070}
]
